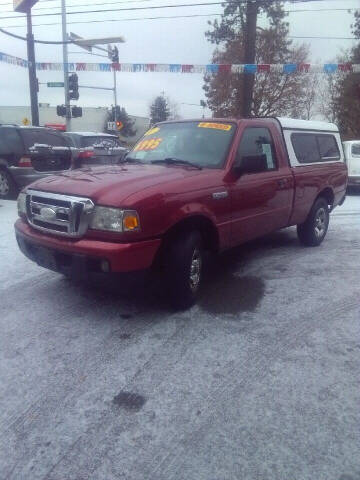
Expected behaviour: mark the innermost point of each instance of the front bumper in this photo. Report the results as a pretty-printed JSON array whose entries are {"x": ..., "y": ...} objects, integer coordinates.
[
  {"x": 24, "y": 176},
  {"x": 81, "y": 257},
  {"x": 354, "y": 181}
]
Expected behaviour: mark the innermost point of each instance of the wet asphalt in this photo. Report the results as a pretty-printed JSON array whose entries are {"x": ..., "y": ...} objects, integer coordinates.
[{"x": 259, "y": 381}]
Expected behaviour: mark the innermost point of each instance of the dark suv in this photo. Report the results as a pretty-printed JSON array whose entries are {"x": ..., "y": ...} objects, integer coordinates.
[
  {"x": 96, "y": 148},
  {"x": 17, "y": 169}
]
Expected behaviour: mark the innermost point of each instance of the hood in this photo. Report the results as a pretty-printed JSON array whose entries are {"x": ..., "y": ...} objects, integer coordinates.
[{"x": 111, "y": 185}]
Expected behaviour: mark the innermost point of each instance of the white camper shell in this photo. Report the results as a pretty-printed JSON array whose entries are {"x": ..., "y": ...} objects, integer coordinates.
[
  {"x": 352, "y": 157},
  {"x": 311, "y": 142}
]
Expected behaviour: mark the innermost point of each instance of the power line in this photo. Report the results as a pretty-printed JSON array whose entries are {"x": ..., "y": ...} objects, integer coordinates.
[
  {"x": 156, "y": 18},
  {"x": 107, "y": 10},
  {"x": 326, "y": 38},
  {"x": 161, "y": 7},
  {"x": 135, "y": 1},
  {"x": 36, "y": 8},
  {"x": 153, "y": 7},
  {"x": 138, "y": 1},
  {"x": 176, "y": 6}
]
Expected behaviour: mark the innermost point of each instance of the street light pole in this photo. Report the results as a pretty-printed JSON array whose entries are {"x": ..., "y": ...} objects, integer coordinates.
[
  {"x": 115, "y": 96},
  {"x": 32, "y": 72},
  {"x": 66, "y": 66}
]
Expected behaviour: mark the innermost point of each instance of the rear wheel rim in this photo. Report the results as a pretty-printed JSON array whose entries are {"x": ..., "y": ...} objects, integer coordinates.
[
  {"x": 195, "y": 270},
  {"x": 4, "y": 184},
  {"x": 320, "y": 222}
]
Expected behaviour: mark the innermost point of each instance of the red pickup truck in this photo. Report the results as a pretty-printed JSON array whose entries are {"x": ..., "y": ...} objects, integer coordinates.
[{"x": 186, "y": 187}]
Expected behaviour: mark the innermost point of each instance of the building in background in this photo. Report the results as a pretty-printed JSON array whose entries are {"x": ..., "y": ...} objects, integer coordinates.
[{"x": 93, "y": 120}]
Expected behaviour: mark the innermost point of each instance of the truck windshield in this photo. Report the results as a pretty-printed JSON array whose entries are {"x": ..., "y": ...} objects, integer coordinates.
[{"x": 203, "y": 144}]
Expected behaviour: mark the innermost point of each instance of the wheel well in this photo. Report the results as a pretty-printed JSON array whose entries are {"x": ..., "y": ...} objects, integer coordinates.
[
  {"x": 200, "y": 223},
  {"x": 328, "y": 195}
]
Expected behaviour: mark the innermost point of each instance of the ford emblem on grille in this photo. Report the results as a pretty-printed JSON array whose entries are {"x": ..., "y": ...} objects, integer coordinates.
[{"x": 48, "y": 213}]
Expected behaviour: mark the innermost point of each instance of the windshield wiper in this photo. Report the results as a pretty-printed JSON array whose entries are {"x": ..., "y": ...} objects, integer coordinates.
[
  {"x": 129, "y": 160},
  {"x": 177, "y": 161}
]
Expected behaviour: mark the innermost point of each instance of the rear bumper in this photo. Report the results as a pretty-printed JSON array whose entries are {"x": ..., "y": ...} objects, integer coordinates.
[
  {"x": 80, "y": 257},
  {"x": 25, "y": 176}
]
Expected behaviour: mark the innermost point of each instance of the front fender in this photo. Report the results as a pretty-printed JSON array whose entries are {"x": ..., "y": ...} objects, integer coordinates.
[{"x": 191, "y": 210}]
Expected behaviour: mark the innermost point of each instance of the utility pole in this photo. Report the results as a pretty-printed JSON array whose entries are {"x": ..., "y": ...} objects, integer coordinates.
[
  {"x": 66, "y": 66},
  {"x": 115, "y": 96},
  {"x": 32, "y": 71},
  {"x": 252, "y": 10}
]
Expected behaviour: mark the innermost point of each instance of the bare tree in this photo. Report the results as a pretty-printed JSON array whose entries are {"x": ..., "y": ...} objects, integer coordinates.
[
  {"x": 275, "y": 93},
  {"x": 328, "y": 93},
  {"x": 311, "y": 94}
]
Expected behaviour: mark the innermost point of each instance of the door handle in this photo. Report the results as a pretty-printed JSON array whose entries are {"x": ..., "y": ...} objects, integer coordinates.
[{"x": 282, "y": 182}]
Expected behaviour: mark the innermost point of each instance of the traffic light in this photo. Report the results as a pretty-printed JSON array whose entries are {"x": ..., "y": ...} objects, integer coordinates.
[
  {"x": 73, "y": 87},
  {"x": 61, "y": 111},
  {"x": 119, "y": 125},
  {"x": 76, "y": 112},
  {"x": 114, "y": 54}
]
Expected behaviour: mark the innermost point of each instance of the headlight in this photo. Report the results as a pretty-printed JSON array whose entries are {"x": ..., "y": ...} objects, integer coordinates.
[
  {"x": 21, "y": 203},
  {"x": 115, "y": 220}
]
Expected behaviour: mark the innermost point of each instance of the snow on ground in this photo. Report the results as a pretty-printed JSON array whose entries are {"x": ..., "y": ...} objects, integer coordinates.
[
  {"x": 259, "y": 381},
  {"x": 12, "y": 260}
]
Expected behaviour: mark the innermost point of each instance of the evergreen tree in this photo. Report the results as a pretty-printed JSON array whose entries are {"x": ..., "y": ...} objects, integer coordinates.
[
  {"x": 273, "y": 93},
  {"x": 121, "y": 116},
  {"x": 347, "y": 101},
  {"x": 159, "y": 110}
]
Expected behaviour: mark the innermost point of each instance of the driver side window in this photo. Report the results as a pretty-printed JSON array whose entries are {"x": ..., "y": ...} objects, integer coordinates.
[{"x": 255, "y": 142}]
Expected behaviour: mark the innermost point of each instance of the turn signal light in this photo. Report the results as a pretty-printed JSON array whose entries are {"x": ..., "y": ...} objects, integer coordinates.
[
  {"x": 25, "y": 162},
  {"x": 130, "y": 222}
]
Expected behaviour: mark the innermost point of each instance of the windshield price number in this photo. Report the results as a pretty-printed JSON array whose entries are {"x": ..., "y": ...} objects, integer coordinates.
[
  {"x": 216, "y": 126},
  {"x": 151, "y": 144}
]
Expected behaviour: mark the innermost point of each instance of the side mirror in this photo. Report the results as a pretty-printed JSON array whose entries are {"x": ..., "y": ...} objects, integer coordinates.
[{"x": 251, "y": 164}]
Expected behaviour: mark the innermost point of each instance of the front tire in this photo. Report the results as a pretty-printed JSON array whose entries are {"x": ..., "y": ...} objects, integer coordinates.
[
  {"x": 8, "y": 189},
  {"x": 312, "y": 232},
  {"x": 183, "y": 269}
]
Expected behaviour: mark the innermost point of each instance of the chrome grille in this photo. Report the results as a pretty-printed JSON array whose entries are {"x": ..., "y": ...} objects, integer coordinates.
[{"x": 59, "y": 214}]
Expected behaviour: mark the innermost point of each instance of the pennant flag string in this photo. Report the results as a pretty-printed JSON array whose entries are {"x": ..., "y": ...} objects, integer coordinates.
[{"x": 211, "y": 69}]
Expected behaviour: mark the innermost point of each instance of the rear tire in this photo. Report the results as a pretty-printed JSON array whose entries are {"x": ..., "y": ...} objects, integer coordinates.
[
  {"x": 8, "y": 188},
  {"x": 312, "y": 232},
  {"x": 183, "y": 269}
]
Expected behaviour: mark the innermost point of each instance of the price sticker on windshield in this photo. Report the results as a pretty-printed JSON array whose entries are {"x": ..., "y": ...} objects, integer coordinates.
[
  {"x": 146, "y": 145},
  {"x": 152, "y": 131},
  {"x": 217, "y": 126}
]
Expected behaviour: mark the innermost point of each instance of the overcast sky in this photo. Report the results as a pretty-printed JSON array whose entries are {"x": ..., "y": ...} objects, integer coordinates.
[{"x": 178, "y": 40}]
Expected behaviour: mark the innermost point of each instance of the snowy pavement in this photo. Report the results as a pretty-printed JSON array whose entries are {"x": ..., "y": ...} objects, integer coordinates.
[{"x": 260, "y": 381}]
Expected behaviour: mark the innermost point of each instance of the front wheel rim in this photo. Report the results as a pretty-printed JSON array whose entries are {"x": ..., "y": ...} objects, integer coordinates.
[
  {"x": 4, "y": 184},
  {"x": 195, "y": 270},
  {"x": 320, "y": 222}
]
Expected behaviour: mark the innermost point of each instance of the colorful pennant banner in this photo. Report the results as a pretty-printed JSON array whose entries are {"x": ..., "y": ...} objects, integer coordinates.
[
  {"x": 287, "y": 69},
  {"x": 13, "y": 60}
]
